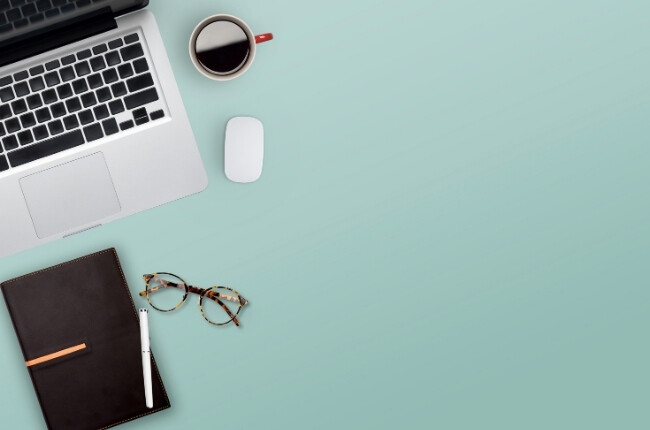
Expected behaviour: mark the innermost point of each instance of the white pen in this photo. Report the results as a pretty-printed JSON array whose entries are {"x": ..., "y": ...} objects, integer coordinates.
[{"x": 146, "y": 357}]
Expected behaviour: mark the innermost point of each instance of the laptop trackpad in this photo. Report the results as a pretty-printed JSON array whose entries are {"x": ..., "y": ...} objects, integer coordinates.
[{"x": 71, "y": 195}]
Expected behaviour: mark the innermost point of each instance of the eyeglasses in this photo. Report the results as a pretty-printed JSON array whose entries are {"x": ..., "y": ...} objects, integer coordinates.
[{"x": 166, "y": 292}]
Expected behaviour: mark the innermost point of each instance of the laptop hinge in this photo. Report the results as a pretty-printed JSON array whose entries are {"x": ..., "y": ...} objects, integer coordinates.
[{"x": 57, "y": 35}]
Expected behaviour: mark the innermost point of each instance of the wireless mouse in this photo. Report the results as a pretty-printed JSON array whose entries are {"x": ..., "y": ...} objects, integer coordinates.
[{"x": 244, "y": 149}]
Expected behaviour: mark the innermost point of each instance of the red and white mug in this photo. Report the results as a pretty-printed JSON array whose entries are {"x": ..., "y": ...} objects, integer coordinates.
[{"x": 222, "y": 47}]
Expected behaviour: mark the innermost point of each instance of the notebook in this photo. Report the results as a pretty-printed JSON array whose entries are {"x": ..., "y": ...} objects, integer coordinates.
[{"x": 79, "y": 333}]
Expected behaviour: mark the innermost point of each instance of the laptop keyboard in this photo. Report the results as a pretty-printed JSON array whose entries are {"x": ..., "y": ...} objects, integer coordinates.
[
  {"x": 16, "y": 14},
  {"x": 75, "y": 99}
]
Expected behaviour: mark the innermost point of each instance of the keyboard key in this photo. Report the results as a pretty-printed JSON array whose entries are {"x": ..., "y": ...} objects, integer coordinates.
[
  {"x": 49, "y": 96},
  {"x": 5, "y": 111},
  {"x": 43, "y": 5},
  {"x": 112, "y": 58},
  {"x": 118, "y": 89},
  {"x": 14, "y": 14},
  {"x": 68, "y": 59},
  {"x": 126, "y": 125},
  {"x": 52, "y": 12},
  {"x": 3, "y": 163},
  {"x": 36, "y": 84},
  {"x": 157, "y": 114},
  {"x": 139, "y": 82},
  {"x": 131, "y": 38},
  {"x": 82, "y": 68},
  {"x": 110, "y": 126},
  {"x": 21, "y": 76},
  {"x": 115, "y": 43},
  {"x": 140, "y": 113},
  {"x": 125, "y": 71},
  {"x": 67, "y": 74},
  {"x": 132, "y": 51},
  {"x": 97, "y": 64},
  {"x": 6, "y": 94},
  {"x": 142, "y": 120},
  {"x": 140, "y": 65},
  {"x": 100, "y": 49},
  {"x": 70, "y": 122},
  {"x": 55, "y": 127},
  {"x": 6, "y": 81},
  {"x": 93, "y": 132},
  {"x": 73, "y": 104},
  {"x": 101, "y": 112},
  {"x": 141, "y": 98},
  {"x": 10, "y": 142},
  {"x": 12, "y": 125},
  {"x": 51, "y": 65},
  {"x": 36, "y": 18},
  {"x": 110, "y": 76},
  {"x": 84, "y": 54},
  {"x": 21, "y": 89},
  {"x": 58, "y": 110},
  {"x": 52, "y": 79},
  {"x": 40, "y": 132},
  {"x": 28, "y": 9},
  {"x": 95, "y": 81},
  {"x": 116, "y": 106},
  {"x": 25, "y": 137},
  {"x": 64, "y": 91},
  {"x": 36, "y": 70},
  {"x": 2, "y": 133},
  {"x": 43, "y": 115},
  {"x": 45, "y": 148},
  {"x": 103, "y": 94},
  {"x": 34, "y": 101},
  {"x": 27, "y": 120},
  {"x": 79, "y": 86},
  {"x": 67, "y": 8},
  {"x": 86, "y": 117},
  {"x": 19, "y": 106}
]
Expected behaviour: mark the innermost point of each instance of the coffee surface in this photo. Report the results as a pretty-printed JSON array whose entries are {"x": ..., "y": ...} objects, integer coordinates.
[{"x": 222, "y": 47}]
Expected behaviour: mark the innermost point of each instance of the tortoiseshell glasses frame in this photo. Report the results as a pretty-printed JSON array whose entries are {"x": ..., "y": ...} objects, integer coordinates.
[{"x": 209, "y": 293}]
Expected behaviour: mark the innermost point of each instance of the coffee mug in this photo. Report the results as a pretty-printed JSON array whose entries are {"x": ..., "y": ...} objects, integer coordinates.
[{"x": 222, "y": 47}]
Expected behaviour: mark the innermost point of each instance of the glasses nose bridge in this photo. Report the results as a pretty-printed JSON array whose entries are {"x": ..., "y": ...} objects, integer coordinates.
[{"x": 196, "y": 290}]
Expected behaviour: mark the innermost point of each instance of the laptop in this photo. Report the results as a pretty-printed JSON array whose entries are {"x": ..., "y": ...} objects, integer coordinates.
[{"x": 92, "y": 125}]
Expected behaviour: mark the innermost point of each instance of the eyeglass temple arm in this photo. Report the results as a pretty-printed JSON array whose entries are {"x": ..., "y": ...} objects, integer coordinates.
[{"x": 211, "y": 296}]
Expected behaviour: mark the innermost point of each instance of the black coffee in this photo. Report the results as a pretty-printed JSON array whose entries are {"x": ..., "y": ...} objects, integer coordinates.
[{"x": 222, "y": 47}]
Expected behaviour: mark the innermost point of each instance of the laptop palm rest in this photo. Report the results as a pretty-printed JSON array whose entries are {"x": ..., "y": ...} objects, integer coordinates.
[{"x": 70, "y": 195}]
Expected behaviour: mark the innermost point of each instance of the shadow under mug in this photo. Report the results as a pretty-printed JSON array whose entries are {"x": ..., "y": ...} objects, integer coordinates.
[{"x": 222, "y": 47}]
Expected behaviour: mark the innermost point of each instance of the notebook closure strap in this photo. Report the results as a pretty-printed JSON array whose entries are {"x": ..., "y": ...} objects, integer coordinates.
[{"x": 54, "y": 355}]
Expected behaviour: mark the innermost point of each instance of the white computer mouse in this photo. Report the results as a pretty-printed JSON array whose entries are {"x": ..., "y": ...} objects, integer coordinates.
[{"x": 244, "y": 149}]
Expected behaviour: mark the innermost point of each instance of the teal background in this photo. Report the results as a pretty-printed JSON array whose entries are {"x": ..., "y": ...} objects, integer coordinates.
[{"x": 451, "y": 230}]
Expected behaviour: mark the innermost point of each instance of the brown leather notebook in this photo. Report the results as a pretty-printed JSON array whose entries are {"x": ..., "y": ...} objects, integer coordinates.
[{"x": 80, "y": 336}]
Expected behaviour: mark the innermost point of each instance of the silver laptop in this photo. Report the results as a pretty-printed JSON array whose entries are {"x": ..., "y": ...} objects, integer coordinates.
[{"x": 92, "y": 125}]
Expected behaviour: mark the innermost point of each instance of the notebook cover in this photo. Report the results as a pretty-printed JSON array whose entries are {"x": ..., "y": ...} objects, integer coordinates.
[{"x": 84, "y": 301}]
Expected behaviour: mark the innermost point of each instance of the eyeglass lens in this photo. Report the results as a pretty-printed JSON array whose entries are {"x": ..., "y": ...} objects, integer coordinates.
[
  {"x": 213, "y": 310},
  {"x": 165, "y": 292},
  {"x": 222, "y": 47}
]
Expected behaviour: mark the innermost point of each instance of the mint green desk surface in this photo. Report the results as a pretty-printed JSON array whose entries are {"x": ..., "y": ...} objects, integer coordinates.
[{"x": 451, "y": 230}]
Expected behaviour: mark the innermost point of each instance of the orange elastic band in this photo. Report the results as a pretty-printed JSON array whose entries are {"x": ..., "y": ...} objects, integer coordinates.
[{"x": 54, "y": 355}]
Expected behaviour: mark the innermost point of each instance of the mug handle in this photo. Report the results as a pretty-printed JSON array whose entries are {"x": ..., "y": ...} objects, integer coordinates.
[{"x": 263, "y": 37}]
